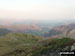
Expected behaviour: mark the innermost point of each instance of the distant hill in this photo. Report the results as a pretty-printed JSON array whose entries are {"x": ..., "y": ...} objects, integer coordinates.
[
  {"x": 4, "y": 32},
  {"x": 26, "y": 28},
  {"x": 67, "y": 30},
  {"x": 62, "y": 31}
]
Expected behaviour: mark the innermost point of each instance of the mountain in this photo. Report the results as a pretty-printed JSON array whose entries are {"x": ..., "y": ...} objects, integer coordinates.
[
  {"x": 18, "y": 44},
  {"x": 13, "y": 43},
  {"x": 18, "y": 27},
  {"x": 4, "y": 31},
  {"x": 26, "y": 28},
  {"x": 67, "y": 30}
]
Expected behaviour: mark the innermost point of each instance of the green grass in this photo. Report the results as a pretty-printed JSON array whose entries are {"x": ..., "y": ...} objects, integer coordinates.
[
  {"x": 14, "y": 41},
  {"x": 18, "y": 44}
]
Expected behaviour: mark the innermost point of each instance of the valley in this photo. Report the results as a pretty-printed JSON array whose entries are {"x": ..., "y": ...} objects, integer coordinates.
[{"x": 17, "y": 41}]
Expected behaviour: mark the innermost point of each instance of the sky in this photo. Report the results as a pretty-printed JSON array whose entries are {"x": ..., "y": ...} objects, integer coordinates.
[{"x": 19, "y": 10}]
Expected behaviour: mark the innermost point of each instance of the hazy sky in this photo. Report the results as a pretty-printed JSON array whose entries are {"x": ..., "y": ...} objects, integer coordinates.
[{"x": 37, "y": 9}]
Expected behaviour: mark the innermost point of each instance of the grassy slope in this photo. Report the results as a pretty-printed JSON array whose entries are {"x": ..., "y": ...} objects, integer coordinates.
[
  {"x": 54, "y": 45},
  {"x": 13, "y": 41},
  {"x": 17, "y": 44}
]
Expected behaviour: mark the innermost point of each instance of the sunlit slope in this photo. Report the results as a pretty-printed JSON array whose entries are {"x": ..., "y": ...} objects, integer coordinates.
[
  {"x": 18, "y": 44},
  {"x": 13, "y": 41}
]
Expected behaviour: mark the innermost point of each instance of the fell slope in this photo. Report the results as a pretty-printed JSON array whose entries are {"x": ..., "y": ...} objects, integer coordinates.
[
  {"x": 18, "y": 44},
  {"x": 62, "y": 31},
  {"x": 16, "y": 41}
]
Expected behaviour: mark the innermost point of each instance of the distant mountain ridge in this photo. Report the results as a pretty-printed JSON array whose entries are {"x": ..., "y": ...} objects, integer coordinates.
[
  {"x": 25, "y": 28},
  {"x": 63, "y": 30},
  {"x": 66, "y": 30},
  {"x": 17, "y": 27},
  {"x": 4, "y": 32}
]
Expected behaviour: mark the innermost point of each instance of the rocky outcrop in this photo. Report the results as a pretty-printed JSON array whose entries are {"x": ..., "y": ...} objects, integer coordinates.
[{"x": 73, "y": 47}]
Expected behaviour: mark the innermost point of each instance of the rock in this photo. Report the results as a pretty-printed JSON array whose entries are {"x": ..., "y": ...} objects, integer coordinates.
[{"x": 73, "y": 47}]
